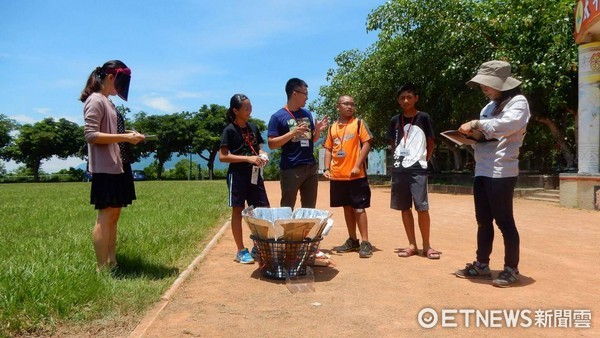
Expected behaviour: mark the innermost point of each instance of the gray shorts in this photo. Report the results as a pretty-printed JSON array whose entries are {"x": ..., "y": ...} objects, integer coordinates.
[
  {"x": 407, "y": 189},
  {"x": 303, "y": 179}
]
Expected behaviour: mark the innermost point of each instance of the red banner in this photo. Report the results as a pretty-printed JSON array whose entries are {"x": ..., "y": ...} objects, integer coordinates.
[{"x": 587, "y": 15}]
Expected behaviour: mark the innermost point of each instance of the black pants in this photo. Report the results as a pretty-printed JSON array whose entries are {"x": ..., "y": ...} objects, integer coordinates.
[{"x": 494, "y": 201}]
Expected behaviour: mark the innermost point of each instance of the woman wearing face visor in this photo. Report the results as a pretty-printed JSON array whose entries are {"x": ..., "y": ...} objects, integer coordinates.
[{"x": 109, "y": 157}]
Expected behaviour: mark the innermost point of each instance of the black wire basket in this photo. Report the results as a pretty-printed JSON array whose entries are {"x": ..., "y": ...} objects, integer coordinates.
[{"x": 280, "y": 259}]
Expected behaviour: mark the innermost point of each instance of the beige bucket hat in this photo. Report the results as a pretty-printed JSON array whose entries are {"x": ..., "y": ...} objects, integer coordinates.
[{"x": 494, "y": 74}]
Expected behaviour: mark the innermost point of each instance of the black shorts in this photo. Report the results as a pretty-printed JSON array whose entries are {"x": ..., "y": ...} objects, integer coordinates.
[
  {"x": 113, "y": 190},
  {"x": 241, "y": 190},
  {"x": 407, "y": 189},
  {"x": 355, "y": 193}
]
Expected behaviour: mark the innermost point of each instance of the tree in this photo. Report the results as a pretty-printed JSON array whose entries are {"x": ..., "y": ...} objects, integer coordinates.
[
  {"x": 439, "y": 44},
  {"x": 272, "y": 170},
  {"x": 6, "y": 127},
  {"x": 181, "y": 171},
  {"x": 209, "y": 123},
  {"x": 174, "y": 136},
  {"x": 75, "y": 174},
  {"x": 42, "y": 140}
]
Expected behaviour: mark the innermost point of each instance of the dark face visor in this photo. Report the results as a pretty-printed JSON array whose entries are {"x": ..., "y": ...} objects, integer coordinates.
[{"x": 122, "y": 79}]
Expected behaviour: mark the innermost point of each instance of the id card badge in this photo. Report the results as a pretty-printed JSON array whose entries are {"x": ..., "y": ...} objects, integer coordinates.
[
  {"x": 304, "y": 143},
  {"x": 341, "y": 154},
  {"x": 255, "y": 172},
  {"x": 403, "y": 152}
]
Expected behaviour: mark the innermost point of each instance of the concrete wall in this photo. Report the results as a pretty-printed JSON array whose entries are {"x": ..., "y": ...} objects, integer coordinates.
[{"x": 580, "y": 191}]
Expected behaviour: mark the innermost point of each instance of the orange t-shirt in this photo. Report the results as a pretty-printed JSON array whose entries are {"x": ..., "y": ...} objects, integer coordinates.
[{"x": 343, "y": 138}]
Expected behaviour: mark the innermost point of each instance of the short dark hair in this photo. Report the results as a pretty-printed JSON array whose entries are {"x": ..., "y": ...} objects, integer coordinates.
[
  {"x": 407, "y": 87},
  {"x": 293, "y": 84}
]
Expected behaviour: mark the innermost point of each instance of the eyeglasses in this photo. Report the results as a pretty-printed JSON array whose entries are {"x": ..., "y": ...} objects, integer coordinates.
[
  {"x": 348, "y": 104},
  {"x": 305, "y": 94}
]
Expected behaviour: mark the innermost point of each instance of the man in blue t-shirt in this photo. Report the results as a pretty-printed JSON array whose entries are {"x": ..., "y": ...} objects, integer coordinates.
[{"x": 293, "y": 129}]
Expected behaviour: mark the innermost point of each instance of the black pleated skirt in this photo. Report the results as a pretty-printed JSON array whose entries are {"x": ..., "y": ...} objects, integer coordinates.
[{"x": 113, "y": 190}]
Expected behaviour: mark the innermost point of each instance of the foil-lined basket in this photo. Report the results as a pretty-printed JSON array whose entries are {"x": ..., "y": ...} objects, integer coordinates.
[
  {"x": 287, "y": 241},
  {"x": 285, "y": 224}
]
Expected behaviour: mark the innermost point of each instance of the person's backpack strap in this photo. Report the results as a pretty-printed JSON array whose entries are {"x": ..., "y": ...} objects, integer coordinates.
[
  {"x": 366, "y": 163},
  {"x": 358, "y": 131}
]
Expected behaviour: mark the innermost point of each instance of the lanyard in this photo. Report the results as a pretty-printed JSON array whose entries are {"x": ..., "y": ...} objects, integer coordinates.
[
  {"x": 289, "y": 112},
  {"x": 337, "y": 132},
  {"x": 405, "y": 136},
  {"x": 246, "y": 138}
]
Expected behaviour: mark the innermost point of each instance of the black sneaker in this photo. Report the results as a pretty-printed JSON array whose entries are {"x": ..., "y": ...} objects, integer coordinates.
[
  {"x": 506, "y": 278},
  {"x": 474, "y": 271},
  {"x": 366, "y": 250},
  {"x": 349, "y": 246}
]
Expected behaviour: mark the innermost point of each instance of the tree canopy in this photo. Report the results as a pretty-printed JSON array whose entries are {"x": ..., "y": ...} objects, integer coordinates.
[
  {"x": 6, "y": 127},
  {"x": 42, "y": 140},
  {"x": 438, "y": 45}
]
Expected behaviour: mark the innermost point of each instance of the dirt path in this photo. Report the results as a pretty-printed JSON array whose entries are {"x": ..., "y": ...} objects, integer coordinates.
[{"x": 382, "y": 296}]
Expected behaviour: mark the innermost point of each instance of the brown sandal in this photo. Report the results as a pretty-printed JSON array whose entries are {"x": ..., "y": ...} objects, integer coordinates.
[
  {"x": 432, "y": 253},
  {"x": 407, "y": 252}
]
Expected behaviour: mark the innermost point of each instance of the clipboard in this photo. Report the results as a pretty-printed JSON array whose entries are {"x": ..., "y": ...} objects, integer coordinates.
[{"x": 462, "y": 139}]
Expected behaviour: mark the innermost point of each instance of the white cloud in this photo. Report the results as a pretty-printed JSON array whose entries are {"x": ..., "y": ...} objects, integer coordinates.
[
  {"x": 50, "y": 166},
  {"x": 22, "y": 118},
  {"x": 43, "y": 111},
  {"x": 28, "y": 119},
  {"x": 160, "y": 103},
  {"x": 55, "y": 164},
  {"x": 11, "y": 165},
  {"x": 191, "y": 95}
]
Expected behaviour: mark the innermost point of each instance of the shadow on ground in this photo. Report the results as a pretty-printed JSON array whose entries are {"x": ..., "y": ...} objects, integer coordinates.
[{"x": 136, "y": 267}]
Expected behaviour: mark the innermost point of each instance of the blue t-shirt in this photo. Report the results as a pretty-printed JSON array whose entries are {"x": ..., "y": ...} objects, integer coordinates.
[
  {"x": 293, "y": 154},
  {"x": 410, "y": 136}
]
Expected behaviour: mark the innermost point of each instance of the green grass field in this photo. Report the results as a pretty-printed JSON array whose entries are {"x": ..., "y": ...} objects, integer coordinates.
[{"x": 47, "y": 262}]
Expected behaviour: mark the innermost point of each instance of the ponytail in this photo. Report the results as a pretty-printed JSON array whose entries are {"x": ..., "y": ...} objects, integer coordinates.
[
  {"x": 230, "y": 115},
  {"x": 93, "y": 84},
  {"x": 94, "y": 81}
]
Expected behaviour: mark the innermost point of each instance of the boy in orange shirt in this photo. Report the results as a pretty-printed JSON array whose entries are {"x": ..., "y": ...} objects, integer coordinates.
[{"x": 347, "y": 145}]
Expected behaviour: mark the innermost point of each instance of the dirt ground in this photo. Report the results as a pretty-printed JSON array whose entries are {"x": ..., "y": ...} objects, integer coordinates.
[{"x": 382, "y": 296}]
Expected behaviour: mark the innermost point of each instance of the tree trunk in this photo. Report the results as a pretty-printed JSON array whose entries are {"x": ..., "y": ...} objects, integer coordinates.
[
  {"x": 456, "y": 153},
  {"x": 209, "y": 166},
  {"x": 35, "y": 167},
  {"x": 559, "y": 137},
  {"x": 159, "y": 169},
  {"x": 211, "y": 161}
]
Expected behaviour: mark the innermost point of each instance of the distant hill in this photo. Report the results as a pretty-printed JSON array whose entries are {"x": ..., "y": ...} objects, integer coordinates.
[{"x": 145, "y": 162}]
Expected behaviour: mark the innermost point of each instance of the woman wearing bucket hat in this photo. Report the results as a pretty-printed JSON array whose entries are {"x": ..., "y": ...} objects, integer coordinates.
[{"x": 502, "y": 123}]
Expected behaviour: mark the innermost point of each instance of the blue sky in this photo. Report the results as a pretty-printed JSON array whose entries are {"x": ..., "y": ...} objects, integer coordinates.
[{"x": 183, "y": 54}]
